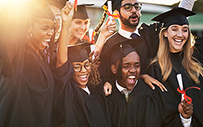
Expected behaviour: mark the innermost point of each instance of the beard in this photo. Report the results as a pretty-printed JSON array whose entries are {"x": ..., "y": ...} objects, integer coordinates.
[{"x": 127, "y": 21}]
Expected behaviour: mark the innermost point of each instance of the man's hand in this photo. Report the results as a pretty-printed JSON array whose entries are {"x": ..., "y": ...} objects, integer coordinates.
[
  {"x": 107, "y": 88},
  {"x": 185, "y": 109}
]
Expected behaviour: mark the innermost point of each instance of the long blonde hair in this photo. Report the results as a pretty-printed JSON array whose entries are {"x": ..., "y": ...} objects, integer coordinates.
[{"x": 190, "y": 64}]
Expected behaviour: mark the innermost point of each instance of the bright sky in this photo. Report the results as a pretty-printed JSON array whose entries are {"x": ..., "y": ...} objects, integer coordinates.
[{"x": 165, "y": 2}]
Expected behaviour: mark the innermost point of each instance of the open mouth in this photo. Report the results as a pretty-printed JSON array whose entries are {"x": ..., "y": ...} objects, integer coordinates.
[
  {"x": 45, "y": 42},
  {"x": 80, "y": 32},
  {"x": 83, "y": 77},
  {"x": 178, "y": 41},
  {"x": 131, "y": 79},
  {"x": 134, "y": 17}
]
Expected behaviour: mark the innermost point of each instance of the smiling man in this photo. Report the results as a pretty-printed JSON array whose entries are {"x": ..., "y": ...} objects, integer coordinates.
[
  {"x": 129, "y": 93},
  {"x": 147, "y": 46}
]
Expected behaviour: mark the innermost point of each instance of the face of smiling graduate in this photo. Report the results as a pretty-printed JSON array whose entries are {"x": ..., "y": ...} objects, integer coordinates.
[
  {"x": 177, "y": 36},
  {"x": 130, "y": 70},
  {"x": 82, "y": 72},
  {"x": 41, "y": 33}
]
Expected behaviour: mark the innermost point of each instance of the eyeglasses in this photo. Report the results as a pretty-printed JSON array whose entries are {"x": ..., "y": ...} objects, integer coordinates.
[
  {"x": 129, "y": 6},
  {"x": 78, "y": 66}
]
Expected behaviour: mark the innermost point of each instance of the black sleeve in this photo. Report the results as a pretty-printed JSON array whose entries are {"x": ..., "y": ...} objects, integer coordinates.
[
  {"x": 62, "y": 76},
  {"x": 148, "y": 47},
  {"x": 198, "y": 49}
]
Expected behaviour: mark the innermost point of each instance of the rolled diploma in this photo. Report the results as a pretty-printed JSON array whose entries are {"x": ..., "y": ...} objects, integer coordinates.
[
  {"x": 72, "y": 1},
  {"x": 110, "y": 11},
  {"x": 180, "y": 82},
  {"x": 92, "y": 47}
]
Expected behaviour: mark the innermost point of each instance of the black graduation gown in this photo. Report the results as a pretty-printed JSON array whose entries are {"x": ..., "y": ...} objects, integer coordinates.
[
  {"x": 140, "y": 111},
  {"x": 75, "y": 107},
  {"x": 146, "y": 47},
  {"x": 26, "y": 90},
  {"x": 168, "y": 101}
]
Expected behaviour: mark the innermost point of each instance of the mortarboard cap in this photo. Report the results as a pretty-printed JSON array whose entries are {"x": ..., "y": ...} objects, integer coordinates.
[
  {"x": 77, "y": 52},
  {"x": 58, "y": 3},
  {"x": 176, "y": 15},
  {"x": 40, "y": 9},
  {"x": 115, "y": 4},
  {"x": 118, "y": 52},
  {"x": 81, "y": 12}
]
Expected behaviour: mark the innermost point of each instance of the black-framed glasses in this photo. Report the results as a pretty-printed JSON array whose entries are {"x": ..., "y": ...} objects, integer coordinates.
[
  {"x": 78, "y": 66},
  {"x": 129, "y": 6}
]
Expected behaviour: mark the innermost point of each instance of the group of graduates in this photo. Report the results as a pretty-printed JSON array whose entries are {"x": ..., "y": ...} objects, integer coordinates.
[{"x": 53, "y": 75}]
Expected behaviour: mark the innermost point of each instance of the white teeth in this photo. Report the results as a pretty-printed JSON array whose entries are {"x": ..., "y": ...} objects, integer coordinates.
[
  {"x": 83, "y": 76},
  {"x": 46, "y": 39},
  {"x": 131, "y": 76},
  {"x": 178, "y": 40}
]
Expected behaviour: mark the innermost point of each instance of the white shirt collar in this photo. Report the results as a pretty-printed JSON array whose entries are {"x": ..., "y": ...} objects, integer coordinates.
[
  {"x": 86, "y": 90},
  {"x": 127, "y": 34},
  {"x": 120, "y": 88}
]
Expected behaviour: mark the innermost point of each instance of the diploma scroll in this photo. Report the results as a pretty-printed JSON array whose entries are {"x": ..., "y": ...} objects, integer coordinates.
[
  {"x": 180, "y": 82},
  {"x": 110, "y": 11}
]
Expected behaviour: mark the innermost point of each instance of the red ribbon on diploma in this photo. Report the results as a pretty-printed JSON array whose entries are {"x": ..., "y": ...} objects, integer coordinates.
[
  {"x": 187, "y": 98},
  {"x": 92, "y": 39},
  {"x": 75, "y": 4},
  {"x": 109, "y": 14}
]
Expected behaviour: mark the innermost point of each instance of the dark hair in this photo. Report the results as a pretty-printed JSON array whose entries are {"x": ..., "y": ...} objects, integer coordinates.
[
  {"x": 94, "y": 78},
  {"x": 101, "y": 22}
]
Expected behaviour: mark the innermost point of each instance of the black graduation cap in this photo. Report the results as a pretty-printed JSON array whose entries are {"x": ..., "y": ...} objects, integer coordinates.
[
  {"x": 40, "y": 9},
  {"x": 77, "y": 52},
  {"x": 58, "y": 3},
  {"x": 81, "y": 12},
  {"x": 176, "y": 15},
  {"x": 115, "y": 4},
  {"x": 118, "y": 52},
  {"x": 123, "y": 47}
]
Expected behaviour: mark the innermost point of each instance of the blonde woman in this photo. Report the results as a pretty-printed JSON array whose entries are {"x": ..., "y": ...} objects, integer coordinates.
[{"x": 177, "y": 56}]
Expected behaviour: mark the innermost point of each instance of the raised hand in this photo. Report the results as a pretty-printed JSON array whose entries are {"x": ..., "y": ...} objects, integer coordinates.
[
  {"x": 108, "y": 28},
  {"x": 67, "y": 12}
]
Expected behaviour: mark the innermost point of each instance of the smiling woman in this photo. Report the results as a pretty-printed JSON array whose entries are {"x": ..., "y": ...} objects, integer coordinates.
[
  {"x": 176, "y": 55},
  {"x": 81, "y": 98},
  {"x": 27, "y": 83}
]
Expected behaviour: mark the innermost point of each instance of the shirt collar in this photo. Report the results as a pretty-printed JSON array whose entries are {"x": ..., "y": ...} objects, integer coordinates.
[
  {"x": 86, "y": 90},
  {"x": 127, "y": 34},
  {"x": 120, "y": 88}
]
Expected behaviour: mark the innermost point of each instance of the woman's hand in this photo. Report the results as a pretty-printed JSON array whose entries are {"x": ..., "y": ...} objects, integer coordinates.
[
  {"x": 67, "y": 12},
  {"x": 107, "y": 88},
  {"x": 66, "y": 15},
  {"x": 185, "y": 109},
  {"x": 149, "y": 80}
]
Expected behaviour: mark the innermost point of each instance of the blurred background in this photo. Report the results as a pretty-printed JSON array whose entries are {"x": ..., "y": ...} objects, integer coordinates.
[{"x": 151, "y": 8}]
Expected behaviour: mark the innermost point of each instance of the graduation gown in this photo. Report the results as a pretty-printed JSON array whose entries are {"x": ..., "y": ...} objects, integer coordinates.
[
  {"x": 146, "y": 47},
  {"x": 168, "y": 101},
  {"x": 75, "y": 107},
  {"x": 140, "y": 111},
  {"x": 26, "y": 90}
]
